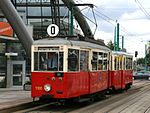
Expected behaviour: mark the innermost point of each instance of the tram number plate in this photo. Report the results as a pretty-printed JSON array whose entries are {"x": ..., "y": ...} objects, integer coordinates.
[{"x": 38, "y": 87}]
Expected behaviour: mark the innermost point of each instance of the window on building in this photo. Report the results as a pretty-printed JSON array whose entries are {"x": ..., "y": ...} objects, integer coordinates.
[{"x": 41, "y": 13}]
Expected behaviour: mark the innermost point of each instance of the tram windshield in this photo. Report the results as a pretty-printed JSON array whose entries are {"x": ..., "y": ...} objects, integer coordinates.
[{"x": 48, "y": 61}]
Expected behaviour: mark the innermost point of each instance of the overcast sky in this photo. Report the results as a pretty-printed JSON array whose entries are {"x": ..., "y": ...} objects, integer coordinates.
[{"x": 134, "y": 24}]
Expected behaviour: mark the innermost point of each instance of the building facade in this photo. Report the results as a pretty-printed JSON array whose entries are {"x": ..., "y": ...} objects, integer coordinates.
[
  {"x": 41, "y": 13},
  {"x": 37, "y": 14}
]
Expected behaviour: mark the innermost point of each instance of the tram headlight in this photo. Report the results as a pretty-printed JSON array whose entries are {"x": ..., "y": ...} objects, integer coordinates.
[{"x": 47, "y": 87}]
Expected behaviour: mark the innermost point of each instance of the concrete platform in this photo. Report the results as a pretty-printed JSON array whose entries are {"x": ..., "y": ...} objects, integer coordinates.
[{"x": 11, "y": 97}]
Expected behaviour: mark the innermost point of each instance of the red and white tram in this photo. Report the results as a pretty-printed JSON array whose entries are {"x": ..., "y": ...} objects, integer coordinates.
[
  {"x": 121, "y": 72},
  {"x": 81, "y": 69}
]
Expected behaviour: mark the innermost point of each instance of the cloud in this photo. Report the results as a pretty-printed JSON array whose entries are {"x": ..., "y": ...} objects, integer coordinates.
[
  {"x": 133, "y": 16},
  {"x": 137, "y": 26},
  {"x": 104, "y": 36},
  {"x": 132, "y": 22}
]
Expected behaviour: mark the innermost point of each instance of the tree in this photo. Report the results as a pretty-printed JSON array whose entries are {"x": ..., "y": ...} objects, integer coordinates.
[
  {"x": 110, "y": 45},
  {"x": 148, "y": 59},
  {"x": 140, "y": 61}
]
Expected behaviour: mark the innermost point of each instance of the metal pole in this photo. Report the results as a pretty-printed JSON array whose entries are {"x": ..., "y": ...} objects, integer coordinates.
[
  {"x": 80, "y": 18},
  {"x": 117, "y": 36},
  {"x": 115, "y": 39},
  {"x": 122, "y": 42},
  {"x": 136, "y": 64},
  {"x": 17, "y": 24},
  {"x": 71, "y": 24}
]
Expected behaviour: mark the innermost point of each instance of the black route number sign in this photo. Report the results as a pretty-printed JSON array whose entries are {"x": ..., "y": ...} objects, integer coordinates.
[{"x": 52, "y": 30}]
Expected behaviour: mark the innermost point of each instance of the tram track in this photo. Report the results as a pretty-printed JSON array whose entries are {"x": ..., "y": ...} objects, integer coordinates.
[
  {"x": 126, "y": 103},
  {"x": 103, "y": 105},
  {"x": 109, "y": 104},
  {"x": 117, "y": 103},
  {"x": 21, "y": 107},
  {"x": 34, "y": 108},
  {"x": 147, "y": 110}
]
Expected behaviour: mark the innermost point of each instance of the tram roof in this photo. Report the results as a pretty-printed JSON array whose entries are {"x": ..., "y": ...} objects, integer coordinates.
[
  {"x": 63, "y": 41},
  {"x": 121, "y": 53}
]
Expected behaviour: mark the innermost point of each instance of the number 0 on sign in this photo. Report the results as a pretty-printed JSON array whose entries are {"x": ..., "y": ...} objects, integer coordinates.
[{"x": 52, "y": 30}]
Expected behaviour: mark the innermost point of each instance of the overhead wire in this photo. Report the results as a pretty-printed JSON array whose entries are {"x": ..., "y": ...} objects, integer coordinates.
[
  {"x": 143, "y": 9},
  {"x": 95, "y": 21},
  {"x": 104, "y": 19},
  {"x": 107, "y": 19},
  {"x": 84, "y": 15}
]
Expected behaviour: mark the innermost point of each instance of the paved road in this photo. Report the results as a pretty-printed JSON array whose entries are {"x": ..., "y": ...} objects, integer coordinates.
[
  {"x": 136, "y": 100},
  {"x": 10, "y": 97}
]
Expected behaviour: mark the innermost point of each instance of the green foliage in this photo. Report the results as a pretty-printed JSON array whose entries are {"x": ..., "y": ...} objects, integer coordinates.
[
  {"x": 110, "y": 45},
  {"x": 148, "y": 59},
  {"x": 140, "y": 61}
]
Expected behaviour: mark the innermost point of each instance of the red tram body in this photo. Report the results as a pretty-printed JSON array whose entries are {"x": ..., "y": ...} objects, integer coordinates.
[
  {"x": 121, "y": 72},
  {"x": 83, "y": 69}
]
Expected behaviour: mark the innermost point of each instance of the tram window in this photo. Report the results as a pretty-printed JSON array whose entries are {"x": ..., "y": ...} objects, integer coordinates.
[
  {"x": 105, "y": 61},
  {"x": 120, "y": 61},
  {"x": 84, "y": 58},
  {"x": 48, "y": 61},
  {"x": 73, "y": 60},
  {"x": 115, "y": 63},
  {"x": 94, "y": 61},
  {"x": 131, "y": 63},
  {"x": 124, "y": 62},
  {"x": 42, "y": 57},
  {"x": 128, "y": 63},
  {"x": 52, "y": 61},
  {"x": 61, "y": 56},
  {"x": 111, "y": 63},
  {"x": 36, "y": 61},
  {"x": 100, "y": 61},
  {"x": 129, "y": 60}
]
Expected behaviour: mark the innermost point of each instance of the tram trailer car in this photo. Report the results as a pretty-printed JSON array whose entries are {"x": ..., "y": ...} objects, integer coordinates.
[
  {"x": 121, "y": 73},
  {"x": 83, "y": 69}
]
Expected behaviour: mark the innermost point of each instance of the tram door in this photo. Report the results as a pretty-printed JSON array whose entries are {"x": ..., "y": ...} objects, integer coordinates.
[{"x": 18, "y": 73}]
